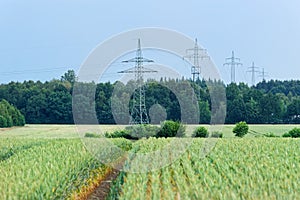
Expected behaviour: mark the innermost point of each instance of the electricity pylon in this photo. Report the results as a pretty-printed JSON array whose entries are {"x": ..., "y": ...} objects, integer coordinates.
[
  {"x": 139, "y": 112},
  {"x": 233, "y": 62},
  {"x": 196, "y": 54},
  {"x": 263, "y": 74},
  {"x": 253, "y": 71}
]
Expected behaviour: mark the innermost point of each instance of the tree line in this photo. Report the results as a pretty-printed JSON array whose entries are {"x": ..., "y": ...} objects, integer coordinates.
[{"x": 50, "y": 102}]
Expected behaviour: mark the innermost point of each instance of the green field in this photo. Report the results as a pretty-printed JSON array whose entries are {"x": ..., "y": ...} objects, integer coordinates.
[
  {"x": 257, "y": 168},
  {"x": 54, "y": 131},
  {"x": 50, "y": 162}
]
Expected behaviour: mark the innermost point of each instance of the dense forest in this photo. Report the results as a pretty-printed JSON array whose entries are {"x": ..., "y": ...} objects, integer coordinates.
[{"x": 50, "y": 102}]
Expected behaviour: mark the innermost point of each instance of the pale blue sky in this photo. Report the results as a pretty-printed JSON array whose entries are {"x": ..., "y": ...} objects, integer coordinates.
[{"x": 42, "y": 39}]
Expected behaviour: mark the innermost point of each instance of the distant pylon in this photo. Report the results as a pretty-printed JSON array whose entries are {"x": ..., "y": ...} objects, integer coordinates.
[
  {"x": 139, "y": 112},
  {"x": 253, "y": 71},
  {"x": 263, "y": 74},
  {"x": 234, "y": 62},
  {"x": 197, "y": 53}
]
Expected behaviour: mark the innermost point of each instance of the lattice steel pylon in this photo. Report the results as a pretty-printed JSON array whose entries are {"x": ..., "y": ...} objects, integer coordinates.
[
  {"x": 263, "y": 74},
  {"x": 253, "y": 71},
  {"x": 139, "y": 112},
  {"x": 194, "y": 57},
  {"x": 234, "y": 62}
]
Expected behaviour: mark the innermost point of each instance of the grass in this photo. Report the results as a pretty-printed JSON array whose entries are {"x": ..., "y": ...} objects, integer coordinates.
[{"x": 56, "y": 131}]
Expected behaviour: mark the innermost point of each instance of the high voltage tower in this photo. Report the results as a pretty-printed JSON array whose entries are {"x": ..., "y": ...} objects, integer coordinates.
[
  {"x": 196, "y": 54},
  {"x": 233, "y": 62},
  {"x": 253, "y": 71},
  {"x": 263, "y": 74},
  {"x": 139, "y": 113}
]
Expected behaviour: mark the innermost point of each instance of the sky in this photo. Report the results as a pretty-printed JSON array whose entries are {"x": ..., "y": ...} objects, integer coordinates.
[{"x": 40, "y": 40}]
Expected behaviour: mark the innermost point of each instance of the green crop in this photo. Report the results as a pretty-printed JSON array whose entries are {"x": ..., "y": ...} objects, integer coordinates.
[
  {"x": 248, "y": 168},
  {"x": 44, "y": 169},
  {"x": 256, "y": 168}
]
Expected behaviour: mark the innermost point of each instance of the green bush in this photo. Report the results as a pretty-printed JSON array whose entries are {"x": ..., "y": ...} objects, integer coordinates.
[
  {"x": 135, "y": 132},
  {"x": 241, "y": 129},
  {"x": 217, "y": 134},
  {"x": 294, "y": 133},
  {"x": 286, "y": 135},
  {"x": 92, "y": 135},
  {"x": 119, "y": 134},
  {"x": 171, "y": 129},
  {"x": 200, "y": 132},
  {"x": 142, "y": 131}
]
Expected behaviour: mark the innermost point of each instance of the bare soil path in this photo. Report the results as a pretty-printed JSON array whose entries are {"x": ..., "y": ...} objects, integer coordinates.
[{"x": 103, "y": 189}]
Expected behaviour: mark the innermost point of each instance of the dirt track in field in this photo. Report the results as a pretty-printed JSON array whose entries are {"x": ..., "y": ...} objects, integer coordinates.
[{"x": 103, "y": 189}]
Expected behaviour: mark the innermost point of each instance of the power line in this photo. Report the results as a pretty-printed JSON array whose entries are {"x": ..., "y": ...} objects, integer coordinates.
[
  {"x": 32, "y": 71},
  {"x": 139, "y": 113},
  {"x": 233, "y": 62},
  {"x": 197, "y": 53},
  {"x": 253, "y": 71}
]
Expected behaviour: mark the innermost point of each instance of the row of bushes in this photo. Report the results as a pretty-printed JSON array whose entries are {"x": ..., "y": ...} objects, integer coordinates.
[
  {"x": 167, "y": 129},
  {"x": 177, "y": 129},
  {"x": 240, "y": 130},
  {"x": 10, "y": 116},
  {"x": 171, "y": 129}
]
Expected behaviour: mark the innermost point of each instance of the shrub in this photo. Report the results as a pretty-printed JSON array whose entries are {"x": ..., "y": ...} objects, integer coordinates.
[
  {"x": 200, "y": 132},
  {"x": 241, "y": 129},
  {"x": 171, "y": 129},
  {"x": 92, "y": 135},
  {"x": 140, "y": 131},
  {"x": 119, "y": 134},
  {"x": 217, "y": 134},
  {"x": 295, "y": 132},
  {"x": 135, "y": 132},
  {"x": 286, "y": 135}
]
